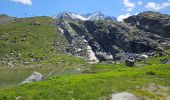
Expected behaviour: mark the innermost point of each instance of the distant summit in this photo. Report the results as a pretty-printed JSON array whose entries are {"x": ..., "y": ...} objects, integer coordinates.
[
  {"x": 70, "y": 15},
  {"x": 89, "y": 16},
  {"x": 98, "y": 16}
]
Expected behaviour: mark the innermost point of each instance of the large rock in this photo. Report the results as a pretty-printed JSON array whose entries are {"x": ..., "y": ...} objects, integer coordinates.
[
  {"x": 124, "y": 96},
  {"x": 130, "y": 62},
  {"x": 144, "y": 56},
  {"x": 36, "y": 76},
  {"x": 168, "y": 62}
]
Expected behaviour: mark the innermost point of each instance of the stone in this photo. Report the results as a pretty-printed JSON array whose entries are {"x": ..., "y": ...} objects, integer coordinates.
[
  {"x": 130, "y": 62},
  {"x": 144, "y": 56},
  {"x": 124, "y": 96},
  {"x": 36, "y": 76},
  {"x": 167, "y": 62},
  {"x": 19, "y": 98},
  {"x": 10, "y": 64}
]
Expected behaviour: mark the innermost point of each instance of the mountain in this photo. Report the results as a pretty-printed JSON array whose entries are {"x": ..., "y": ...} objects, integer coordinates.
[
  {"x": 90, "y": 16},
  {"x": 70, "y": 15},
  {"x": 99, "y": 16},
  {"x": 112, "y": 40},
  {"x": 85, "y": 36}
]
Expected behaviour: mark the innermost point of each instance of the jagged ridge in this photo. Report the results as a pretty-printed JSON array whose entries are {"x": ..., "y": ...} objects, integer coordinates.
[{"x": 89, "y": 16}]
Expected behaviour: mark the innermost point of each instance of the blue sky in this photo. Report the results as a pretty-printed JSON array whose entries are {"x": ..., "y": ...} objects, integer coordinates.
[{"x": 117, "y": 8}]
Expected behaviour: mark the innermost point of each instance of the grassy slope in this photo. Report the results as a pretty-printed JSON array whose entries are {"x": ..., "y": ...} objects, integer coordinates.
[
  {"x": 95, "y": 86},
  {"x": 22, "y": 40},
  {"x": 23, "y": 37},
  {"x": 5, "y": 18}
]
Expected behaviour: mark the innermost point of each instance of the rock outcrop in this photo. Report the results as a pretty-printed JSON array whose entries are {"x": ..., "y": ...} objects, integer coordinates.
[
  {"x": 36, "y": 76},
  {"x": 124, "y": 96},
  {"x": 130, "y": 62},
  {"x": 102, "y": 40},
  {"x": 154, "y": 22}
]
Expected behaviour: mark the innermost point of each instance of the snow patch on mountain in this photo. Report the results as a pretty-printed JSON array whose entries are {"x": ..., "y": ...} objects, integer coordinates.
[
  {"x": 77, "y": 16},
  {"x": 90, "y": 16},
  {"x": 70, "y": 15},
  {"x": 61, "y": 30},
  {"x": 98, "y": 16},
  {"x": 91, "y": 55}
]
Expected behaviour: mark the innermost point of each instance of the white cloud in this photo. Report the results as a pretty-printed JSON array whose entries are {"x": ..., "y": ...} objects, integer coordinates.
[
  {"x": 129, "y": 5},
  {"x": 156, "y": 6},
  {"x": 121, "y": 17},
  {"x": 25, "y": 2},
  {"x": 140, "y": 2}
]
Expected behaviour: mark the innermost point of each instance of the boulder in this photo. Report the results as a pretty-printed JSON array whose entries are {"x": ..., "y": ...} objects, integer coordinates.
[
  {"x": 36, "y": 76},
  {"x": 130, "y": 62},
  {"x": 168, "y": 62},
  {"x": 141, "y": 57},
  {"x": 103, "y": 56},
  {"x": 124, "y": 96},
  {"x": 144, "y": 56}
]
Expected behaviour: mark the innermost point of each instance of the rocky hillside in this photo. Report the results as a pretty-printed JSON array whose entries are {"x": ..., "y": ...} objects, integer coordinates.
[
  {"x": 29, "y": 40},
  {"x": 153, "y": 22},
  {"x": 101, "y": 40},
  {"x": 5, "y": 18},
  {"x": 33, "y": 44}
]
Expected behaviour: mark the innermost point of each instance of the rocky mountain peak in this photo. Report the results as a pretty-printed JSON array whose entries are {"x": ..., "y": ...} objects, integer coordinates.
[
  {"x": 70, "y": 15},
  {"x": 90, "y": 16},
  {"x": 99, "y": 16}
]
